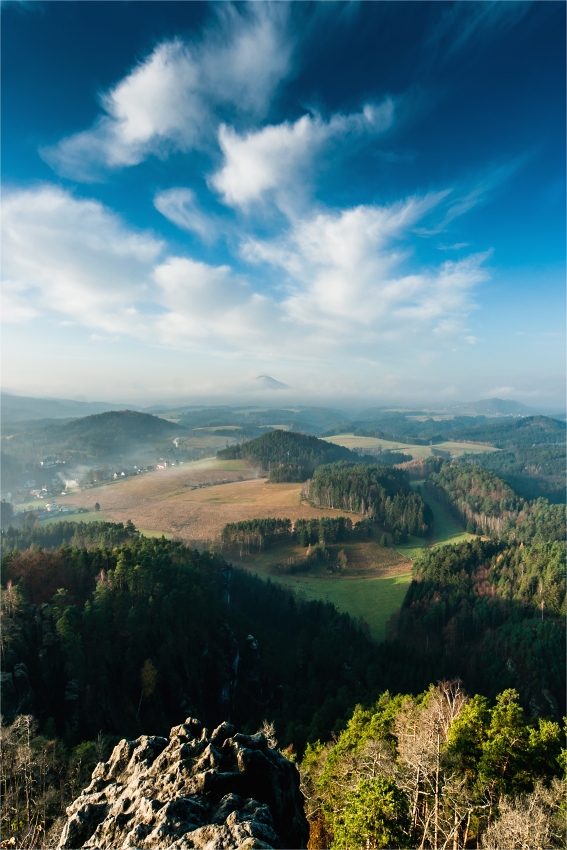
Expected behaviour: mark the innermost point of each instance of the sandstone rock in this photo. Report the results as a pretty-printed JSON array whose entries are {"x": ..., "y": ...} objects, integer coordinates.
[{"x": 192, "y": 790}]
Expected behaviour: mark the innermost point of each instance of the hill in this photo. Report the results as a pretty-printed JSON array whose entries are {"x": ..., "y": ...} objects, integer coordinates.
[
  {"x": 117, "y": 426},
  {"x": 17, "y": 408},
  {"x": 532, "y": 458},
  {"x": 527, "y": 431},
  {"x": 299, "y": 453},
  {"x": 82, "y": 447}
]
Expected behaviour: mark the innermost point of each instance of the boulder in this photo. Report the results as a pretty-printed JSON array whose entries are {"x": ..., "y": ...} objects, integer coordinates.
[{"x": 192, "y": 790}]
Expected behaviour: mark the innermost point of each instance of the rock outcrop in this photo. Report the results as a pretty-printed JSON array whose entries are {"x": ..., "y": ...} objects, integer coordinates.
[{"x": 191, "y": 790}]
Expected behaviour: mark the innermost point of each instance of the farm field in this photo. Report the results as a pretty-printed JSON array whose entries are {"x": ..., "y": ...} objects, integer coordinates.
[
  {"x": 194, "y": 502},
  {"x": 455, "y": 449}
]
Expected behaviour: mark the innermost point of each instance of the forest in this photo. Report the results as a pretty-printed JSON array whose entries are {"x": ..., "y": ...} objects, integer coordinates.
[
  {"x": 288, "y": 455},
  {"x": 380, "y": 493},
  {"x": 107, "y": 634},
  {"x": 487, "y": 505}
]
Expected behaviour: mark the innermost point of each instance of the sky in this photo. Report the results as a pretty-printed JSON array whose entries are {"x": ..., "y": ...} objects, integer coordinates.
[{"x": 363, "y": 201}]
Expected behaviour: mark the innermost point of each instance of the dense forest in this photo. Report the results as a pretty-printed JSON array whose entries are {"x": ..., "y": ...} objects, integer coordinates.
[
  {"x": 380, "y": 493},
  {"x": 297, "y": 454},
  {"x": 495, "y": 613},
  {"x": 487, "y": 505},
  {"x": 121, "y": 640}
]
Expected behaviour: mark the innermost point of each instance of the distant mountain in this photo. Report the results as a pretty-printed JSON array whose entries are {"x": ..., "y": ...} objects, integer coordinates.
[
  {"x": 16, "y": 408},
  {"x": 504, "y": 407},
  {"x": 269, "y": 383}
]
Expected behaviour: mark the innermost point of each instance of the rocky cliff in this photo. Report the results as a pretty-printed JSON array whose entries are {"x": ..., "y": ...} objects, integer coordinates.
[{"x": 192, "y": 790}]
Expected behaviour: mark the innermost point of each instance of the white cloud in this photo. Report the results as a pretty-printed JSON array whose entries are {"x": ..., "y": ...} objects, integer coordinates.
[
  {"x": 344, "y": 278},
  {"x": 344, "y": 292},
  {"x": 180, "y": 206},
  {"x": 208, "y": 303},
  {"x": 167, "y": 102},
  {"x": 73, "y": 256},
  {"x": 274, "y": 158}
]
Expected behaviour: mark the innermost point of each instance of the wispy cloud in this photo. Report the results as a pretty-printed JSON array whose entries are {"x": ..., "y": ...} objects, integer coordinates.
[
  {"x": 168, "y": 101},
  {"x": 181, "y": 207},
  {"x": 74, "y": 257},
  {"x": 276, "y": 159},
  {"x": 462, "y": 24},
  {"x": 482, "y": 191}
]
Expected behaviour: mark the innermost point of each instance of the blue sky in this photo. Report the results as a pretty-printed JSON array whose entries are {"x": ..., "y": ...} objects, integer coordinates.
[{"x": 365, "y": 201}]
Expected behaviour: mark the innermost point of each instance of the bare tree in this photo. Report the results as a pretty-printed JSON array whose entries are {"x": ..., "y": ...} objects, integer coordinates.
[{"x": 529, "y": 822}]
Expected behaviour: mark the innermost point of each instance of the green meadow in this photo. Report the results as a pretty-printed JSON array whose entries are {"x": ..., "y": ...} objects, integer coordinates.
[{"x": 372, "y": 599}]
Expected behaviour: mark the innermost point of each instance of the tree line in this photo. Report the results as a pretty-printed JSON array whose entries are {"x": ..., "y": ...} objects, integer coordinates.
[{"x": 76, "y": 534}]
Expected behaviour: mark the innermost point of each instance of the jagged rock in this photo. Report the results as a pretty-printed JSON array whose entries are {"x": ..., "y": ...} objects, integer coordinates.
[{"x": 192, "y": 790}]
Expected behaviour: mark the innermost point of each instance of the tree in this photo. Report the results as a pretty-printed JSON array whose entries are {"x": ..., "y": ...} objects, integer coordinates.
[
  {"x": 97, "y": 506},
  {"x": 375, "y": 815},
  {"x": 531, "y": 820}
]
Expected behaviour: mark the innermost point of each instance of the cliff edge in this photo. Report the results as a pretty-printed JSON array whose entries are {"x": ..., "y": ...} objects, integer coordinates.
[{"x": 191, "y": 790}]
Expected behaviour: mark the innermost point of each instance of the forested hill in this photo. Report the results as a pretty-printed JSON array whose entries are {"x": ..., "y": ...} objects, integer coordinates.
[
  {"x": 531, "y": 458},
  {"x": 527, "y": 431},
  {"x": 101, "y": 436},
  {"x": 288, "y": 448},
  {"x": 117, "y": 426},
  {"x": 486, "y": 504}
]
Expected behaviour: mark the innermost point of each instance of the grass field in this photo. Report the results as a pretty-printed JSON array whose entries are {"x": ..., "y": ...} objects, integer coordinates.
[
  {"x": 446, "y": 529},
  {"x": 147, "y": 532},
  {"x": 195, "y": 501},
  {"x": 375, "y": 600},
  {"x": 89, "y": 516},
  {"x": 350, "y": 441}
]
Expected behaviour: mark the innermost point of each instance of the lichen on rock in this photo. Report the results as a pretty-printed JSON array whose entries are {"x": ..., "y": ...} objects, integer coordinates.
[{"x": 191, "y": 790}]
